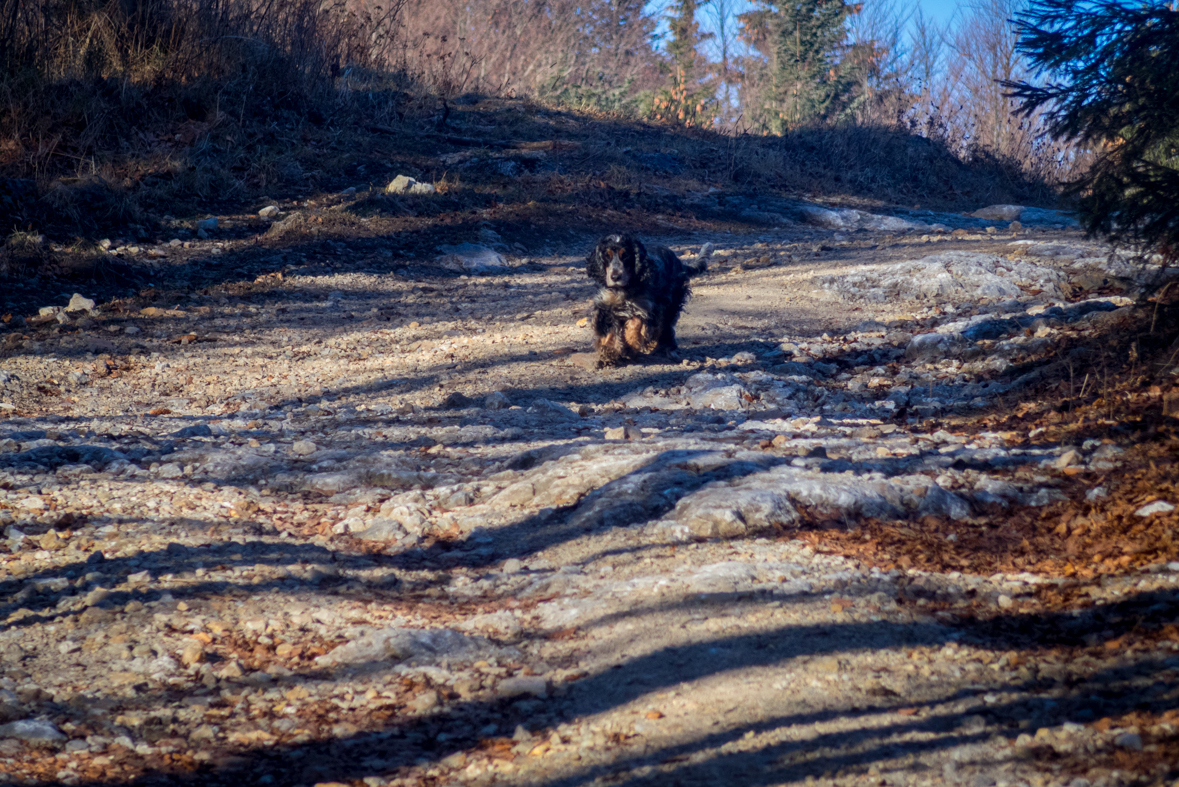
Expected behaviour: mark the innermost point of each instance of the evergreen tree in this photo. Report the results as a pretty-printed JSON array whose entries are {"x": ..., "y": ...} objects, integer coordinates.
[
  {"x": 801, "y": 78},
  {"x": 690, "y": 94},
  {"x": 1114, "y": 68}
]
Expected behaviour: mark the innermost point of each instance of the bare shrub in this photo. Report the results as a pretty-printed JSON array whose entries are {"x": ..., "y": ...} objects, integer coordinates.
[{"x": 531, "y": 48}]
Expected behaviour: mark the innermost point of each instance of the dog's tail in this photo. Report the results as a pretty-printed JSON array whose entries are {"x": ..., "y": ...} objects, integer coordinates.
[{"x": 699, "y": 264}]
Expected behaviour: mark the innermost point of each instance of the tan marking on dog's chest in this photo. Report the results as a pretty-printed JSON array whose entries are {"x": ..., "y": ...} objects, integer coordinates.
[{"x": 611, "y": 298}]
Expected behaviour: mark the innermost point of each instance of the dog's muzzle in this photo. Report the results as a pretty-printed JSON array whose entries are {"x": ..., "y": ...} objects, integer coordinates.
[{"x": 616, "y": 275}]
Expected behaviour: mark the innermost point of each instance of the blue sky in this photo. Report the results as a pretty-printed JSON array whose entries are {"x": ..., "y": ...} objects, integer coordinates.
[{"x": 940, "y": 10}]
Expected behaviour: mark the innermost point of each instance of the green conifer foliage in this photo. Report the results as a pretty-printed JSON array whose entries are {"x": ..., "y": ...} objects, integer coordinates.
[
  {"x": 1114, "y": 71},
  {"x": 802, "y": 42}
]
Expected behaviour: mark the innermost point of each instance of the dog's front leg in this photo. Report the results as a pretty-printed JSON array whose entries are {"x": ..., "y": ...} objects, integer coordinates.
[
  {"x": 607, "y": 337},
  {"x": 611, "y": 348},
  {"x": 639, "y": 335}
]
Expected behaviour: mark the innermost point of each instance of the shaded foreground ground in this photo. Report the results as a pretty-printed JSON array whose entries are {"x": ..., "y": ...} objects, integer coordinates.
[{"x": 365, "y": 518}]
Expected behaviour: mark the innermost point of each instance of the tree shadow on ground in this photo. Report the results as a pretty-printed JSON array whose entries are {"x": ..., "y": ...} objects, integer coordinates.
[{"x": 845, "y": 734}]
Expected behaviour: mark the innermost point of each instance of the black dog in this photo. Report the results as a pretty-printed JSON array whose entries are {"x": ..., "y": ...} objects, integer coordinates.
[{"x": 641, "y": 298}]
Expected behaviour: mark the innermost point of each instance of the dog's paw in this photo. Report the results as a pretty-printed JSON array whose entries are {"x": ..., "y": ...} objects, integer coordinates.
[{"x": 670, "y": 352}]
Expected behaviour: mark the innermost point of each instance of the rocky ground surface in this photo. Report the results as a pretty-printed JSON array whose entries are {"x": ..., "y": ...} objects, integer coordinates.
[{"x": 373, "y": 519}]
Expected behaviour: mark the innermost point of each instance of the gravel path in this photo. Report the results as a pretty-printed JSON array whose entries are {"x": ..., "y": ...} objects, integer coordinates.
[{"x": 387, "y": 525}]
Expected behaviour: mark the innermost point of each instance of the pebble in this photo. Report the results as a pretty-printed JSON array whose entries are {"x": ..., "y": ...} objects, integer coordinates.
[
  {"x": 193, "y": 653},
  {"x": 425, "y": 701},
  {"x": 80, "y": 303},
  {"x": 532, "y": 685},
  {"x": 303, "y": 448},
  {"x": 32, "y": 731},
  {"x": 624, "y": 433},
  {"x": 496, "y": 401},
  {"x": 1129, "y": 740},
  {"x": 1157, "y": 507},
  {"x": 403, "y": 184}
]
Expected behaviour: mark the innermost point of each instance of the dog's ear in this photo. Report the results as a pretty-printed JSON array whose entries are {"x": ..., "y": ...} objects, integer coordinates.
[
  {"x": 648, "y": 269},
  {"x": 595, "y": 268},
  {"x": 642, "y": 260}
]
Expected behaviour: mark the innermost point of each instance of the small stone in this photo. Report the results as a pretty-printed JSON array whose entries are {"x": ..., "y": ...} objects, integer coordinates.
[
  {"x": 1096, "y": 493},
  {"x": 403, "y": 184},
  {"x": 196, "y": 430},
  {"x": 551, "y": 408},
  {"x": 32, "y": 731},
  {"x": 193, "y": 653},
  {"x": 496, "y": 401},
  {"x": 52, "y": 541},
  {"x": 233, "y": 669},
  {"x": 93, "y": 615},
  {"x": 533, "y": 685},
  {"x": 1157, "y": 507},
  {"x": 139, "y": 578},
  {"x": 1005, "y": 602},
  {"x": 828, "y": 664},
  {"x": 1067, "y": 459},
  {"x": 624, "y": 433},
  {"x": 205, "y": 732},
  {"x": 382, "y": 529},
  {"x": 269, "y": 211},
  {"x": 425, "y": 701},
  {"x": 1129, "y": 740},
  {"x": 170, "y": 470},
  {"x": 303, "y": 448},
  {"x": 205, "y": 225},
  {"x": 457, "y": 401},
  {"x": 999, "y": 212},
  {"x": 972, "y": 725},
  {"x": 79, "y": 303},
  {"x": 587, "y": 361}
]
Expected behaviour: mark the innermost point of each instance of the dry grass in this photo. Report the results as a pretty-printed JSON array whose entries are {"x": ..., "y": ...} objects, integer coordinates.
[{"x": 99, "y": 97}]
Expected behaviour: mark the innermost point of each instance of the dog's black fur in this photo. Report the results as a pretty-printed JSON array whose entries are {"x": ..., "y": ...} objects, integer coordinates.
[{"x": 642, "y": 294}]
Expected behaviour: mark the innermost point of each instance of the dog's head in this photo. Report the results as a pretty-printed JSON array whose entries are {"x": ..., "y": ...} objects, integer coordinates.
[{"x": 615, "y": 260}]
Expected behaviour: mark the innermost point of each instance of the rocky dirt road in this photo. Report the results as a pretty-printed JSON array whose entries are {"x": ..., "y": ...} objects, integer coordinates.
[{"x": 383, "y": 523}]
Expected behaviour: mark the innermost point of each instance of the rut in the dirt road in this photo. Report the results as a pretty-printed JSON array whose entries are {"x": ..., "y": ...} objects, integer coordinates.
[{"x": 392, "y": 529}]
